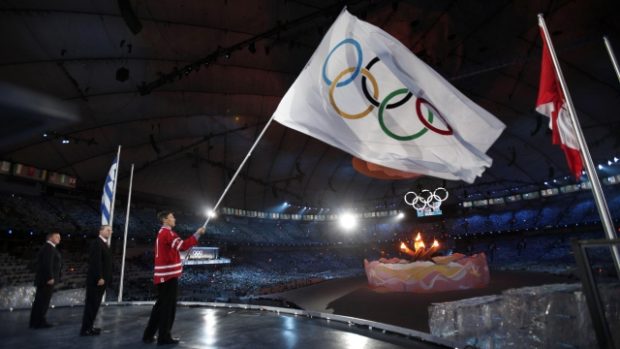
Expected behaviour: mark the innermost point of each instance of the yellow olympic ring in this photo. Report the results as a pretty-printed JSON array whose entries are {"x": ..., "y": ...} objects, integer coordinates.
[{"x": 375, "y": 91}]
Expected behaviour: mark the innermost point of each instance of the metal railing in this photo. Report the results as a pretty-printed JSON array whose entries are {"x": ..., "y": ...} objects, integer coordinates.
[{"x": 591, "y": 289}]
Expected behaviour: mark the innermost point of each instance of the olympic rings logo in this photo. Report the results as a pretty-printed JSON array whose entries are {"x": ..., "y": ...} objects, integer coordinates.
[
  {"x": 352, "y": 73},
  {"x": 426, "y": 199}
]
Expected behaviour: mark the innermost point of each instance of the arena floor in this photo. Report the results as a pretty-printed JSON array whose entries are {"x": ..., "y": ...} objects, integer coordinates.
[
  {"x": 201, "y": 326},
  {"x": 353, "y": 297},
  {"x": 198, "y": 327}
]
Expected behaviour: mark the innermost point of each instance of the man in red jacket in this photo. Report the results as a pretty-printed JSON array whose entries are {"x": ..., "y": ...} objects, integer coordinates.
[{"x": 168, "y": 269}]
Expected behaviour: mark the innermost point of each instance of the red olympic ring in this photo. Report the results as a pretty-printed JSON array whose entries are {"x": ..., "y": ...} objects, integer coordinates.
[{"x": 418, "y": 110}]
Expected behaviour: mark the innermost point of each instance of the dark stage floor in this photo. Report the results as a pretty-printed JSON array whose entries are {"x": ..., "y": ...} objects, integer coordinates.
[
  {"x": 198, "y": 327},
  {"x": 353, "y": 297}
]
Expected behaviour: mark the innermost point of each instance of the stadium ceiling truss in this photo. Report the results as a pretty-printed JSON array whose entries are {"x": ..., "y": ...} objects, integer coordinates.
[{"x": 185, "y": 87}]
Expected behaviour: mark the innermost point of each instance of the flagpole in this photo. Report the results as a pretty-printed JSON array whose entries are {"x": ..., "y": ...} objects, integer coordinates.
[
  {"x": 118, "y": 162},
  {"x": 597, "y": 190},
  {"x": 614, "y": 62},
  {"x": 239, "y": 169},
  {"x": 120, "y": 291}
]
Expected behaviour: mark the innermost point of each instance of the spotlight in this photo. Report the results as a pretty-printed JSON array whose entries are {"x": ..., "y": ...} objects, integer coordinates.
[
  {"x": 65, "y": 141},
  {"x": 45, "y": 135},
  {"x": 210, "y": 213},
  {"x": 615, "y": 159},
  {"x": 400, "y": 216},
  {"x": 347, "y": 221},
  {"x": 600, "y": 167},
  {"x": 609, "y": 163}
]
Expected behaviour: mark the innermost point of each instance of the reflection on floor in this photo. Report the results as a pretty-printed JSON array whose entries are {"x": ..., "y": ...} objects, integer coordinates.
[{"x": 198, "y": 327}]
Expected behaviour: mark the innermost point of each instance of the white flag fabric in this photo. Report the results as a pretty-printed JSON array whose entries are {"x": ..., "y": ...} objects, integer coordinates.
[
  {"x": 108, "y": 194},
  {"x": 364, "y": 92}
]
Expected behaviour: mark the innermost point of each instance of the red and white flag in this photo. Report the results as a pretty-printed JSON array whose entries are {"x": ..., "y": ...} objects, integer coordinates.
[{"x": 551, "y": 102}]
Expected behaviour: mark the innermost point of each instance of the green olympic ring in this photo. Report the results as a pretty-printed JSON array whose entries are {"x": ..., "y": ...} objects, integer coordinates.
[
  {"x": 366, "y": 74},
  {"x": 387, "y": 131}
]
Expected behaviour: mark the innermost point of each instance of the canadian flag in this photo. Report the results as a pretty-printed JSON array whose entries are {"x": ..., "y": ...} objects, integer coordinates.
[{"x": 551, "y": 102}]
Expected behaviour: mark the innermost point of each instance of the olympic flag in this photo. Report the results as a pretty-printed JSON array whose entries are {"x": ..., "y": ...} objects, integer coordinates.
[
  {"x": 551, "y": 103},
  {"x": 364, "y": 92}
]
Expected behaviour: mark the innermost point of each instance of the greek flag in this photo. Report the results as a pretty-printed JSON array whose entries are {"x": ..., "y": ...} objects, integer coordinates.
[{"x": 108, "y": 194}]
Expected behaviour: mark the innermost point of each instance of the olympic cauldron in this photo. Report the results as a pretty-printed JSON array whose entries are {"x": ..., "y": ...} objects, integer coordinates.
[{"x": 426, "y": 273}]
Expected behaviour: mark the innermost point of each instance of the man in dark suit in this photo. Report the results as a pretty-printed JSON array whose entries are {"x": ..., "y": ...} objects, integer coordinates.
[
  {"x": 99, "y": 276},
  {"x": 47, "y": 275}
]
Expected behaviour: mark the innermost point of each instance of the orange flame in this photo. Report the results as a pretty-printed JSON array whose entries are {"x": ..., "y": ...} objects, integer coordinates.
[
  {"x": 420, "y": 252},
  {"x": 418, "y": 243}
]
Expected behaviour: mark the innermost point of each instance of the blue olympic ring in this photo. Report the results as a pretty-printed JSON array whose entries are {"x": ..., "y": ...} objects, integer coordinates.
[{"x": 357, "y": 70}]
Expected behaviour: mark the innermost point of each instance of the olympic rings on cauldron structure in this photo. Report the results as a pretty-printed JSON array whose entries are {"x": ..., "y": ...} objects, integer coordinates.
[{"x": 426, "y": 199}]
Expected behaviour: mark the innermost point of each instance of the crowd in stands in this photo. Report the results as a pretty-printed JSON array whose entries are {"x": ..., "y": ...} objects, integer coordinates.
[
  {"x": 573, "y": 210},
  {"x": 254, "y": 272},
  {"x": 271, "y": 256},
  {"x": 21, "y": 213}
]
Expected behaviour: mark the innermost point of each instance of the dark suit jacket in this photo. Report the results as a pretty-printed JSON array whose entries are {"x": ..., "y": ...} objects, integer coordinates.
[
  {"x": 48, "y": 265},
  {"x": 99, "y": 263}
]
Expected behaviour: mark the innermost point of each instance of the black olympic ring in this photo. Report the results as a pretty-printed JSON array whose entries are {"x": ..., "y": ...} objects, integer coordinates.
[
  {"x": 372, "y": 98},
  {"x": 369, "y": 96}
]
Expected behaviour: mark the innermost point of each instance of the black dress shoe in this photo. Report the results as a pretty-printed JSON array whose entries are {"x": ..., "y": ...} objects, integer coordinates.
[
  {"x": 148, "y": 340},
  {"x": 168, "y": 341},
  {"x": 89, "y": 332}
]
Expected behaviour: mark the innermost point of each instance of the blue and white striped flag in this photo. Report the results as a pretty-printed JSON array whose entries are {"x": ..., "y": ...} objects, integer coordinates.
[{"x": 108, "y": 194}]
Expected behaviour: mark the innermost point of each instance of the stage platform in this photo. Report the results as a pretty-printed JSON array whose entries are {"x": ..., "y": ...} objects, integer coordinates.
[{"x": 212, "y": 325}]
